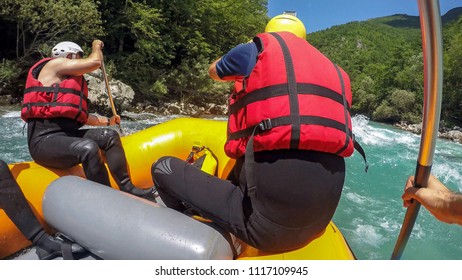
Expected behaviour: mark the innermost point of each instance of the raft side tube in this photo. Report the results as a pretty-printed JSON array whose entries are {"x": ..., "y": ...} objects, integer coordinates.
[{"x": 116, "y": 225}]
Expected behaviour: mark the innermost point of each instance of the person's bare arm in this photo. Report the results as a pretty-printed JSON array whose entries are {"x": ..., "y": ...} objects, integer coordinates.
[
  {"x": 443, "y": 203},
  {"x": 96, "y": 120},
  {"x": 55, "y": 70},
  {"x": 213, "y": 71}
]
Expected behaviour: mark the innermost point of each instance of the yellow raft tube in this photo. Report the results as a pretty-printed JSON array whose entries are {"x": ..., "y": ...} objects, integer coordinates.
[{"x": 172, "y": 138}]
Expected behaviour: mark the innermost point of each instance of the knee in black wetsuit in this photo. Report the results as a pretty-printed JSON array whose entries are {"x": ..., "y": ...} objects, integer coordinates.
[
  {"x": 111, "y": 139},
  {"x": 88, "y": 150},
  {"x": 92, "y": 161}
]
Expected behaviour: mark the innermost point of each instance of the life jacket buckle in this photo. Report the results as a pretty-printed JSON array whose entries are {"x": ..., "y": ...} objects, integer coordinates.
[{"x": 265, "y": 124}]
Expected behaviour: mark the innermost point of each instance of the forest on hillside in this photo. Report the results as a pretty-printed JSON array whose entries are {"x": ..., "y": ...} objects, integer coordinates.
[
  {"x": 384, "y": 59},
  {"x": 162, "y": 49}
]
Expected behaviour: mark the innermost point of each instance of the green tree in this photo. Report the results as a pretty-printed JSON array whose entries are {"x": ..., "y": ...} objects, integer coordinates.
[
  {"x": 452, "y": 89},
  {"x": 165, "y": 39},
  {"x": 40, "y": 24}
]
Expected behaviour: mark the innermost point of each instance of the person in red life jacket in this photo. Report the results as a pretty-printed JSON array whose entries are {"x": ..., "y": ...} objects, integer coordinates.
[
  {"x": 14, "y": 203},
  {"x": 289, "y": 129},
  {"x": 55, "y": 107}
]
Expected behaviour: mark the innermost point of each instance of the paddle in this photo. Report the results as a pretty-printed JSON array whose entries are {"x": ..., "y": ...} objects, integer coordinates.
[
  {"x": 430, "y": 22},
  {"x": 111, "y": 101}
]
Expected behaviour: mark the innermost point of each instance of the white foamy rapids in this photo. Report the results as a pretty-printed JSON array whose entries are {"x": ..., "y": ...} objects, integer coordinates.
[
  {"x": 448, "y": 175},
  {"x": 389, "y": 225},
  {"x": 366, "y": 233},
  {"x": 357, "y": 198},
  {"x": 15, "y": 114},
  {"x": 378, "y": 136}
]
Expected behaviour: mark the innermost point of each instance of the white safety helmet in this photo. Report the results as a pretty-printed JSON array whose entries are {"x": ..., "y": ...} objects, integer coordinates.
[{"x": 64, "y": 48}]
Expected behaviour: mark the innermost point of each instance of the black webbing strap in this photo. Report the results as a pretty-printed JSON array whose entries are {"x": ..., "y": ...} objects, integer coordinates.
[
  {"x": 346, "y": 113},
  {"x": 250, "y": 174},
  {"x": 66, "y": 249},
  {"x": 56, "y": 92},
  {"x": 52, "y": 89},
  {"x": 50, "y": 104},
  {"x": 361, "y": 152},
  {"x": 292, "y": 91},
  {"x": 281, "y": 90},
  {"x": 81, "y": 100},
  {"x": 287, "y": 120}
]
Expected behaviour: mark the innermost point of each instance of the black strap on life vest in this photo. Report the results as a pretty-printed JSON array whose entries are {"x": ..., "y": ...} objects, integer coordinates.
[
  {"x": 53, "y": 89},
  {"x": 267, "y": 124},
  {"x": 292, "y": 91},
  {"x": 281, "y": 89},
  {"x": 342, "y": 85},
  {"x": 361, "y": 152},
  {"x": 82, "y": 96}
]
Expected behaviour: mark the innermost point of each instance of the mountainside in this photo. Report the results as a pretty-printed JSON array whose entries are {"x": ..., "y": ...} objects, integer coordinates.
[
  {"x": 406, "y": 21},
  {"x": 383, "y": 57},
  {"x": 452, "y": 15}
]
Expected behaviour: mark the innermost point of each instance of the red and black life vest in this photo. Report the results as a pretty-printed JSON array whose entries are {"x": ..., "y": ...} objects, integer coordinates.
[
  {"x": 68, "y": 99},
  {"x": 295, "y": 98}
]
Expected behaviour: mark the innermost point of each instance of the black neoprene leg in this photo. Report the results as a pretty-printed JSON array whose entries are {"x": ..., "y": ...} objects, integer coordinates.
[
  {"x": 296, "y": 197},
  {"x": 62, "y": 151},
  {"x": 14, "y": 203},
  {"x": 108, "y": 140},
  {"x": 219, "y": 200}
]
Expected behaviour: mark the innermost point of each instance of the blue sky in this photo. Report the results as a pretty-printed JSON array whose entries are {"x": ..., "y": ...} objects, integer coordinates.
[{"x": 321, "y": 14}]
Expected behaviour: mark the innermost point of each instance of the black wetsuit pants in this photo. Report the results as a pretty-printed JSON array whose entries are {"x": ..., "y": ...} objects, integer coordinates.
[
  {"x": 14, "y": 203},
  {"x": 57, "y": 144},
  {"x": 296, "y": 197}
]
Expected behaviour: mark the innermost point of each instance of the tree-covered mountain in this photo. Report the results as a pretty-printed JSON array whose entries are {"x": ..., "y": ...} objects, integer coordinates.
[{"x": 384, "y": 59}]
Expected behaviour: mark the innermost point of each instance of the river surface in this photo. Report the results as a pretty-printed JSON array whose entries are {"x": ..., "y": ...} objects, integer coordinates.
[{"x": 370, "y": 212}]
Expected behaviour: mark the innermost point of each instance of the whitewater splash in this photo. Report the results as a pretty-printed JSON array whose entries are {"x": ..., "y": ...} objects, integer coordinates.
[
  {"x": 370, "y": 212},
  {"x": 379, "y": 136}
]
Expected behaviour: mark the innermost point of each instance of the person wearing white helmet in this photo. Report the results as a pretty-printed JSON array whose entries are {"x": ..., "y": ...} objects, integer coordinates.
[
  {"x": 65, "y": 48},
  {"x": 289, "y": 129},
  {"x": 55, "y": 107}
]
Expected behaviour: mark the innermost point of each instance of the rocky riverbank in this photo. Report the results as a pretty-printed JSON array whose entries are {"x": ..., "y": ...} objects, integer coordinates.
[
  {"x": 181, "y": 108},
  {"x": 453, "y": 134}
]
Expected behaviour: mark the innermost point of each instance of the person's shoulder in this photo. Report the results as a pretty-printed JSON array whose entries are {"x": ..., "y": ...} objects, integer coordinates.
[
  {"x": 57, "y": 60},
  {"x": 243, "y": 48},
  {"x": 58, "y": 64}
]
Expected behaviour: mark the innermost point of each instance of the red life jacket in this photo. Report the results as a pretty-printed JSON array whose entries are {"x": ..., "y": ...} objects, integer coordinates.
[
  {"x": 295, "y": 98},
  {"x": 68, "y": 99}
]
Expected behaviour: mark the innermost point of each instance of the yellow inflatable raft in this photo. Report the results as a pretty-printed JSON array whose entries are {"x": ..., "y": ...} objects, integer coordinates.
[{"x": 173, "y": 138}]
